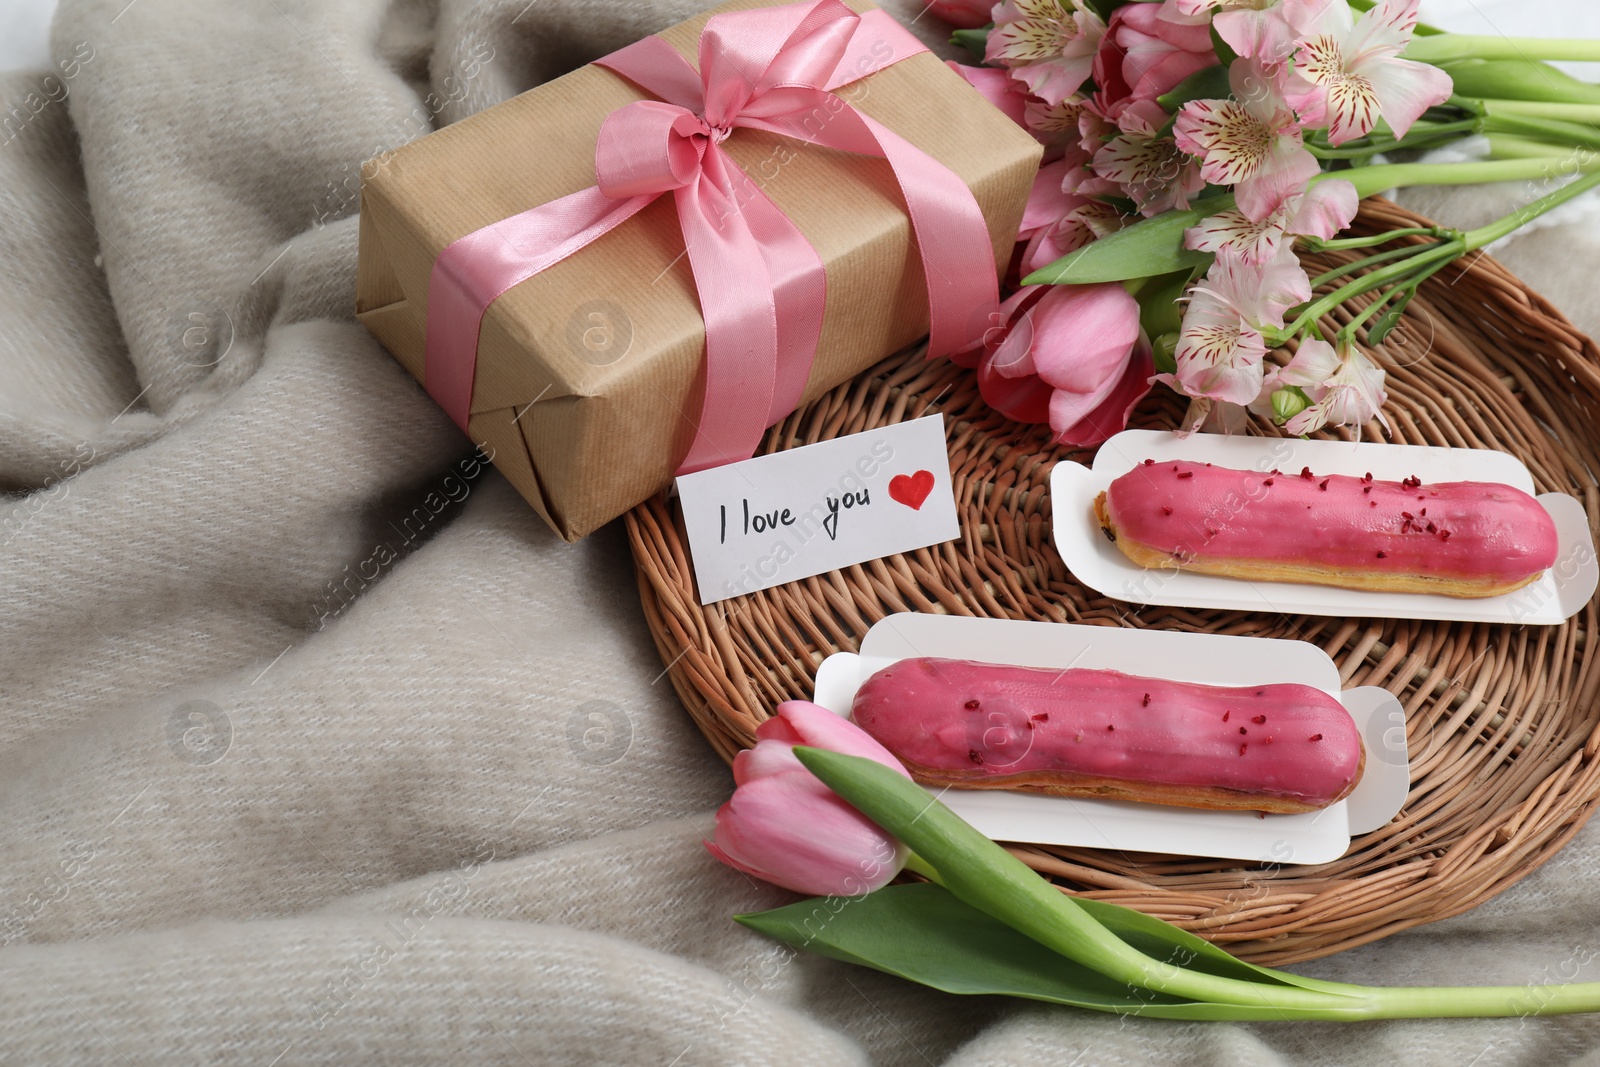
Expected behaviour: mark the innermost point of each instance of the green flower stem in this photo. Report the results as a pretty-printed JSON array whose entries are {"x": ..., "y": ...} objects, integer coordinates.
[
  {"x": 1452, "y": 47},
  {"x": 1421, "y": 135},
  {"x": 1348, "y": 331},
  {"x": 1382, "y": 176},
  {"x": 1484, "y": 235},
  {"x": 1548, "y": 128},
  {"x": 982, "y": 874},
  {"x": 1369, "y": 261},
  {"x": 1543, "y": 109},
  {"x": 1504, "y": 146},
  {"x": 1422, "y": 260},
  {"x": 985, "y": 876},
  {"x": 1425, "y": 254},
  {"x": 1317, "y": 244}
]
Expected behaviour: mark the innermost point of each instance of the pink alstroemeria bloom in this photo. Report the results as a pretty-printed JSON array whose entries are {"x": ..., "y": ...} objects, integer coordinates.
[
  {"x": 1221, "y": 344},
  {"x": 1321, "y": 211},
  {"x": 1048, "y": 44},
  {"x": 963, "y": 14},
  {"x": 1349, "y": 396},
  {"x": 1148, "y": 49},
  {"x": 1058, "y": 220},
  {"x": 1053, "y": 125},
  {"x": 1255, "y": 28},
  {"x": 1250, "y": 141},
  {"x": 1150, "y": 170},
  {"x": 784, "y": 826},
  {"x": 1355, "y": 67},
  {"x": 1069, "y": 355}
]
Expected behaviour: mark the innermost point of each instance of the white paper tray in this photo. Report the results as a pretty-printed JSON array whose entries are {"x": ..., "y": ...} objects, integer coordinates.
[
  {"x": 1315, "y": 837},
  {"x": 1093, "y": 560}
]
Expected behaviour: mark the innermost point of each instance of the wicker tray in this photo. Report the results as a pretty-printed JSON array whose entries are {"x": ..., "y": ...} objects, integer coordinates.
[{"x": 1501, "y": 720}]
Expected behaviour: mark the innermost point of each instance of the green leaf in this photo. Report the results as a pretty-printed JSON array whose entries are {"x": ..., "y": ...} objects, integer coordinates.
[
  {"x": 1388, "y": 319},
  {"x": 1165, "y": 350},
  {"x": 1159, "y": 312},
  {"x": 1163, "y": 941},
  {"x": 986, "y": 877},
  {"x": 922, "y": 933},
  {"x": 1225, "y": 53},
  {"x": 974, "y": 41},
  {"x": 1208, "y": 84},
  {"x": 1149, "y": 247},
  {"x": 1519, "y": 79}
]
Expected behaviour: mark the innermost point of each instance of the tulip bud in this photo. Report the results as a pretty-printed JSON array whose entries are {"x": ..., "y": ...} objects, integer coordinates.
[
  {"x": 784, "y": 826},
  {"x": 963, "y": 14}
]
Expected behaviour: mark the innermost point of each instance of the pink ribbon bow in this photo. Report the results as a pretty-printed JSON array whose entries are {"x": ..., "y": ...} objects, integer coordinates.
[{"x": 761, "y": 285}]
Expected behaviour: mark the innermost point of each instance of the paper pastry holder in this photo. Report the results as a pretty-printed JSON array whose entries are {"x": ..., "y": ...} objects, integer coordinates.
[{"x": 1559, "y": 594}]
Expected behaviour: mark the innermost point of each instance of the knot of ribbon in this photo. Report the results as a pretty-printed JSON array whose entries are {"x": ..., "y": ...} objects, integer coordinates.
[{"x": 761, "y": 284}]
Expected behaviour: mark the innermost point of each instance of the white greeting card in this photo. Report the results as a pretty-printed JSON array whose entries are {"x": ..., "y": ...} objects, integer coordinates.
[{"x": 809, "y": 510}]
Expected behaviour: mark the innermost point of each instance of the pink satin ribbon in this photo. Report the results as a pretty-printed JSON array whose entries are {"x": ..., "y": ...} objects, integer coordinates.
[{"x": 762, "y": 286}]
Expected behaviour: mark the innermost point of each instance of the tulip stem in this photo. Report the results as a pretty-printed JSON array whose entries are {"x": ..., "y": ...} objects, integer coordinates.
[
  {"x": 917, "y": 865},
  {"x": 1484, "y": 235},
  {"x": 1451, "y": 47}
]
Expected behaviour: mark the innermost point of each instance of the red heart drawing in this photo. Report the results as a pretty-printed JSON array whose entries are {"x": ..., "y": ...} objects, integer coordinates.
[{"x": 911, "y": 490}]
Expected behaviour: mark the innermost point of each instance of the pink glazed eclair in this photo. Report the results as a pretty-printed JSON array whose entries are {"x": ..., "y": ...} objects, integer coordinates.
[
  {"x": 1099, "y": 733},
  {"x": 1461, "y": 539}
]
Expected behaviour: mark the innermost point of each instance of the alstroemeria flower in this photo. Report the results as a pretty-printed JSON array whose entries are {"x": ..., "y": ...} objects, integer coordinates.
[
  {"x": 1349, "y": 396},
  {"x": 1069, "y": 355},
  {"x": 1221, "y": 343},
  {"x": 1053, "y": 125},
  {"x": 785, "y": 827},
  {"x": 1321, "y": 211},
  {"x": 1251, "y": 141},
  {"x": 1255, "y": 28},
  {"x": 1150, "y": 170},
  {"x": 1048, "y": 44},
  {"x": 1356, "y": 69},
  {"x": 1057, "y": 219}
]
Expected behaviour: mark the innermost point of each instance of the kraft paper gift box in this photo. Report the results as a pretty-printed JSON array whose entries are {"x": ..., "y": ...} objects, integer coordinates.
[{"x": 589, "y": 374}]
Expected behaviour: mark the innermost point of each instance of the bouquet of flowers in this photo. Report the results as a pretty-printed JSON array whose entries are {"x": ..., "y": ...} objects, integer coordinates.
[{"x": 1193, "y": 145}]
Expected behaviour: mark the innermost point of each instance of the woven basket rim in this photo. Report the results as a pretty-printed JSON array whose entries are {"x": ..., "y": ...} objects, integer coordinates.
[{"x": 1502, "y": 720}]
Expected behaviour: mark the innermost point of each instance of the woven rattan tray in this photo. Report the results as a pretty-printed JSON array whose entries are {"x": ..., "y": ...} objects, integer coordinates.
[{"x": 1501, "y": 720}]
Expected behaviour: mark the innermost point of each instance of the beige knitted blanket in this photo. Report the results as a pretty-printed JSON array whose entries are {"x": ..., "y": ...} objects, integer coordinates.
[{"x": 315, "y": 745}]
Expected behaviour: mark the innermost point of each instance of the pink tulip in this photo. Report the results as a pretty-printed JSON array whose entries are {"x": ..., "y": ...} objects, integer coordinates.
[
  {"x": 963, "y": 14},
  {"x": 784, "y": 826},
  {"x": 996, "y": 86},
  {"x": 1069, "y": 355},
  {"x": 1148, "y": 49}
]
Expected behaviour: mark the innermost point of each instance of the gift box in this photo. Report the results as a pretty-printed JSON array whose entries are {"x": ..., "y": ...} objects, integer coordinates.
[{"x": 589, "y": 380}]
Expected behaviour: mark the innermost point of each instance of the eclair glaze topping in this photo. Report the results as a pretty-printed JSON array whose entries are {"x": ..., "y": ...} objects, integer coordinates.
[
  {"x": 1454, "y": 530},
  {"x": 992, "y": 721}
]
